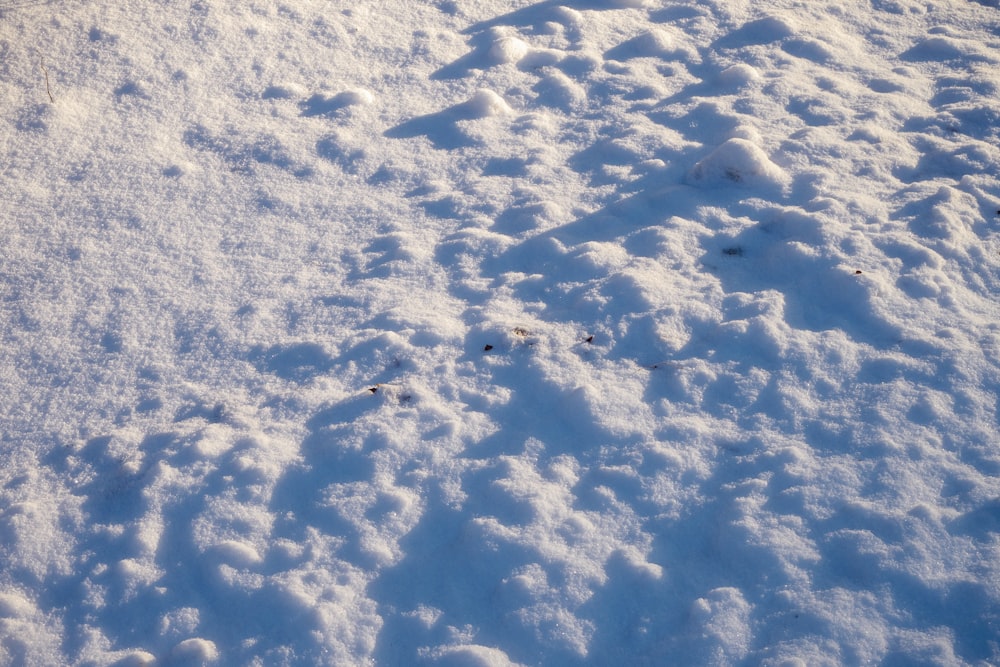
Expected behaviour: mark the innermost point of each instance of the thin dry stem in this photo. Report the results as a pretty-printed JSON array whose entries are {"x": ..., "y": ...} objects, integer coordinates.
[{"x": 48, "y": 88}]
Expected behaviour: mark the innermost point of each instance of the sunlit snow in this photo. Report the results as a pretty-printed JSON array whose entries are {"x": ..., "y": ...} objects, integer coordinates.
[{"x": 593, "y": 332}]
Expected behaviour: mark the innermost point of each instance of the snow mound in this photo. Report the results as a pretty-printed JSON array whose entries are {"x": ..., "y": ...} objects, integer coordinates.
[
  {"x": 486, "y": 103},
  {"x": 195, "y": 649},
  {"x": 508, "y": 50},
  {"x": 355, "y": 97},
  {"x": 235, "y": 553},
  {"x": 738, "y": 76},
  {"x": 325, "y": 105},
  {"x": 136, "y": 659},
  {"x": 283, "y": 91},
  {"x": 760, "y": 31},
  {"x": 737, "y": 161},
  {"x": 469, "y": 655},
  {"x": 945, "y": 47},
  {"x": 655, "y": 43},
  {"x": 557, "y": 90},
  {"x": 14, "y": 605}
]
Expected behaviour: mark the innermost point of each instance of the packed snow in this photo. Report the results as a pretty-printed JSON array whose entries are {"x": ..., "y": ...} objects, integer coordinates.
[{"x": 559, "y": 332}]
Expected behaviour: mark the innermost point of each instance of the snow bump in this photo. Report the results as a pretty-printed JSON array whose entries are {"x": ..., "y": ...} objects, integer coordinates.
[
  {"x": 325, "y": 105},
  {"x": 944, "y": 47},
  {"x": 655, "y": 43},
  {"x": 195, "y": 649},
  {"x": 236, "y": 554},
  {"x": 738, "y": 76},
  {"x": 15, "y": 605},
  {"x": 469, "y": 655},
  {"x": 737, "y": 162},
  {"x": 508, "y": 50},
  {"x": 486, "y": 103}
]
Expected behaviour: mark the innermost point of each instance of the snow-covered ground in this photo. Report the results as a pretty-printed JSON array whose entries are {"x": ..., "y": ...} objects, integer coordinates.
[{"x": 580, "y": 332}]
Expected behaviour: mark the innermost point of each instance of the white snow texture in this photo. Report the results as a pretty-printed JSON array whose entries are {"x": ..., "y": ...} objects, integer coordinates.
[{"x": 570, "y": 332}]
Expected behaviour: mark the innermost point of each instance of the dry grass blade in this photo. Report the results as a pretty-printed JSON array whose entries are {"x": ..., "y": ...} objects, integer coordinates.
[{"x": 48, "y": 88}]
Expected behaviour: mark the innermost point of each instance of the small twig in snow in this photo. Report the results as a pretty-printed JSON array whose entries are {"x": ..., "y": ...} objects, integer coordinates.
[{"x": 48, "y": 88}]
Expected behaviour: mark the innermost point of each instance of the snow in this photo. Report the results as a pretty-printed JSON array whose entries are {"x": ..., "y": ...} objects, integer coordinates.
[{"x": 525, "y": 333}]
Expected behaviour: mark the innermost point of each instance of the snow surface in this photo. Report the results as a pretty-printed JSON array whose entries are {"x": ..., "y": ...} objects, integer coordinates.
[{"x": 592, "y": 332}]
